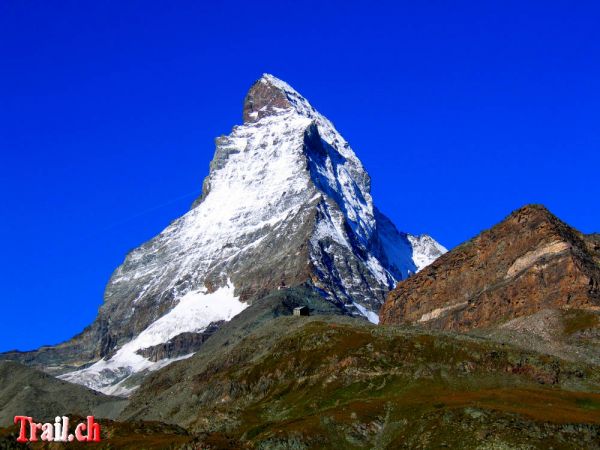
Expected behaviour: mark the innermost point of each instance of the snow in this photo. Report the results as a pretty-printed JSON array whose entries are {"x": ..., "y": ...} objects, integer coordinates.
[
  {"x": 425, "y": 250},
  {"x": 193, "y": 313},
  {"x": 261, "y": 183},
  {"x": 341, "y": 174},
  {"x": 370, "y": 315}
]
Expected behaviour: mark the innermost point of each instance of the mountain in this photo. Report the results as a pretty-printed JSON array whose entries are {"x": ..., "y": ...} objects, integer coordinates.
[
  {"x": 27, "y": 391},
  {"x": 529, "y": 263},
  {"x": 286, "y": 206}
]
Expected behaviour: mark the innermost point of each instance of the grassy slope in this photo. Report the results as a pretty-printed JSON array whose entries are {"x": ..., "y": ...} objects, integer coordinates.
[
  {"x": 27, "y": 391},
  {"x": 310, "y": 383},
  {"x": 336, "y": 382}
]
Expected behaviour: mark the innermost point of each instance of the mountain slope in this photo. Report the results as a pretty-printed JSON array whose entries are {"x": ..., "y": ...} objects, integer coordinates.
[
  {"x": 343, "y": 383},
  {"x": 286, "y": 203},
  {"x": 529, "y": 262},
  {"x": 26, "y": 391}
]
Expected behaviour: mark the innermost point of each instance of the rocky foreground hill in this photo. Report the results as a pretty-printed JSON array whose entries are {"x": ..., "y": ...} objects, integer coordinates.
[
  {"x": 338, "y": 383},
  {"x": 335, "y": 382}
]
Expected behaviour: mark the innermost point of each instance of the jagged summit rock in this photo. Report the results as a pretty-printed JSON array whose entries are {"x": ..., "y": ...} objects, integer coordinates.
[
  {"x": 286, "y": 203},
  {"x": 529, "y": 262},
  {"x": 270, "y": 95},
  {"x": 265, "y": 97}
]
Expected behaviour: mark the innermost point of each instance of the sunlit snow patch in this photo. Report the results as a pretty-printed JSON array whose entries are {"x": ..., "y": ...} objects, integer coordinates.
[
  {"x": 370, "y": 315},
  {"x": 193, "y": 313}
]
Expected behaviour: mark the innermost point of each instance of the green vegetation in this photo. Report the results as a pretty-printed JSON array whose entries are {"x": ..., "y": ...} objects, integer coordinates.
[
  {"x": 332, "y": 382},
  {"x": 575, "y": 320},
  {"x": 336, "y": 384}
]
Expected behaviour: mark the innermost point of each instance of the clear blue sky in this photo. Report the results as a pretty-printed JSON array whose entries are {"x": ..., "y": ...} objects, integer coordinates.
[{"x": 461, "y": 112}]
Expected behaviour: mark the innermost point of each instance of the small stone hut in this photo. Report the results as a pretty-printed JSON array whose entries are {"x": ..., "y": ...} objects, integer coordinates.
[{"x": 301, "y": 311}]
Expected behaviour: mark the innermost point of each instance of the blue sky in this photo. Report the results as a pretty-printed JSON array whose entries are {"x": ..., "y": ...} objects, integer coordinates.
[{"x": 460, "y": 111}]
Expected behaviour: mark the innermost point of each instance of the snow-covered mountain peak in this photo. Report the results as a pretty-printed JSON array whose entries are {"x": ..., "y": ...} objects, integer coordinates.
[{"x": 286, "y": 203}]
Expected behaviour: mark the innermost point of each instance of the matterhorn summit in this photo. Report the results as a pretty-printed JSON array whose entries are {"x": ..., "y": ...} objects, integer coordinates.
[{"x": 286, "y": 204}]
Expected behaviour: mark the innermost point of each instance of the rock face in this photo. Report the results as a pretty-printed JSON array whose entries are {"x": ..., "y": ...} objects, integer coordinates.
[
  {"x": 180, "y": 345},
  {"x": 528, "y": 262},
  {"x": 286, "y": 203},
  {"x": 263, "y": 100}
]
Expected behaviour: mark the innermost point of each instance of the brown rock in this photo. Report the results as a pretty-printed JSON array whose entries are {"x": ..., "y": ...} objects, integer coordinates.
[
  {"x": 261, "y": 100},
  {"x": 528, "y": 262}
]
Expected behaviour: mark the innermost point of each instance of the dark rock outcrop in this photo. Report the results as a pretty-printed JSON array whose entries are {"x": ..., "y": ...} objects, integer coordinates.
[
  {"x": 180, "y": 345},
  {"x": 528, "y": 262}
]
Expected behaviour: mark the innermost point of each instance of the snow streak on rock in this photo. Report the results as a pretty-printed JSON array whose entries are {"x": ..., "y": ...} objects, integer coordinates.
[{"x": 193, "y": 313}]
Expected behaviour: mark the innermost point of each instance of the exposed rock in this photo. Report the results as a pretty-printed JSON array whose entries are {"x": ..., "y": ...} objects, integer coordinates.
[
  {"x": 528, "y": 262},
  {"x": 262, "y": 100},
  {"x": 182, "y": 344},
  {"x": 593, "y": 243},
  {"x": 570, "y": 334}
]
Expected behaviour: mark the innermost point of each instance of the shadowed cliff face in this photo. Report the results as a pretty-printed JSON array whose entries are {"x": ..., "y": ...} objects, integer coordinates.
[{"x": 528, "y": 262}]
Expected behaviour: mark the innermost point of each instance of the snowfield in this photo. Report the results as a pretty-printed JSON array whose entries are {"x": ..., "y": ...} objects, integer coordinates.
[{"x": 193, "y": 313}]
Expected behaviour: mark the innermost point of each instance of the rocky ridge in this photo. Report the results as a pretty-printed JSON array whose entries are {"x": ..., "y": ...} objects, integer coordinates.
[{"x": 529, "y": 262}]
